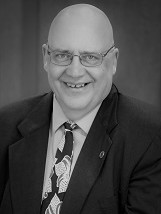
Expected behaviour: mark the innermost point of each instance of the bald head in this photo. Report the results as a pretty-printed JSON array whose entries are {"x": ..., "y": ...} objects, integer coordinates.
[{"x": 81, "y": 26}]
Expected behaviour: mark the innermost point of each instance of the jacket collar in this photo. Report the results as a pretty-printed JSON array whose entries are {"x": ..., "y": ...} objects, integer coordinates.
[
  {"x": 38, "y": 116},
  {"x": 108, "y": 110}
]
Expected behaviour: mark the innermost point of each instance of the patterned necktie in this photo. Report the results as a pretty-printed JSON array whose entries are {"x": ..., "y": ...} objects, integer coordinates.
[{"x": 60, "y": 174}]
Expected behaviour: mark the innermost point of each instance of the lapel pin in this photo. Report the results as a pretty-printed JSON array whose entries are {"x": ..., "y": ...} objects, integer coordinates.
[{"x": 101, "y": 154}]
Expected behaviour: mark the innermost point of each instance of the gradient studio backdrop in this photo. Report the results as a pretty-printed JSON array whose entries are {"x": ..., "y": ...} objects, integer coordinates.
[{"x": 24, "y": 27}]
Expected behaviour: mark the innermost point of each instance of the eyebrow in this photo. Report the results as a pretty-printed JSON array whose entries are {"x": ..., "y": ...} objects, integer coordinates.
[
  {"x": 80, "y": 52},
  {"x": 68, "y": 51},
  {"x": 58, "y": 49},
  {"x": 88, "y": 52}
]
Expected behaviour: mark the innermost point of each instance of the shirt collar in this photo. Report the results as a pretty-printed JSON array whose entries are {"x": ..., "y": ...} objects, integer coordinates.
[
  {"x": 58, "y": 117},
  {"x": 86, "y": 122}
]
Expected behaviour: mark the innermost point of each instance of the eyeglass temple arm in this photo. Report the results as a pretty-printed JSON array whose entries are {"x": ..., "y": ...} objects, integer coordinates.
[{"x": 113, "y": 46}]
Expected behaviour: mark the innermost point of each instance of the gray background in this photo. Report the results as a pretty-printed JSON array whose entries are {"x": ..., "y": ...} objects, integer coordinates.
[{"x": 24, "y": 27}]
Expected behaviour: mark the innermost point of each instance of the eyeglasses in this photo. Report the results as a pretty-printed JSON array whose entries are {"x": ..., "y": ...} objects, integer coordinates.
[{"x": 88, "y": 59}]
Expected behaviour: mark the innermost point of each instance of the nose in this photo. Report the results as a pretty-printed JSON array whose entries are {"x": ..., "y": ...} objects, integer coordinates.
[{"x": 75, "y": 69}]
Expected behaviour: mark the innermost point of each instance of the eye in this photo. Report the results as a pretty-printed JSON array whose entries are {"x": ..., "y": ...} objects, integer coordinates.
[
  {"x": 61, "y": 56},
  {"x": 91, "y": 57}
]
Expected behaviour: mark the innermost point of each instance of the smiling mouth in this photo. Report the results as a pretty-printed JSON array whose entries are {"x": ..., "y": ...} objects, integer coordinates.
[{"x": 71, "y": 85}]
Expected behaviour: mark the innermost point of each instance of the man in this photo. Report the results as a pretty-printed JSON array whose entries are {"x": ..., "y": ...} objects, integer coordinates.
[{"x": 116, "y": 160}]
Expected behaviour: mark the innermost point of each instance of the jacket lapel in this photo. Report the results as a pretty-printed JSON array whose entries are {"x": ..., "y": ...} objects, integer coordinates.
[
  {"x": 27, "y": 159},
  {"x": 92, "y": 155}
]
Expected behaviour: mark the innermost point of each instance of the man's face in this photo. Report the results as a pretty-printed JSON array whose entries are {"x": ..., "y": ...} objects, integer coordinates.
[{"x": 77, "y": 88}]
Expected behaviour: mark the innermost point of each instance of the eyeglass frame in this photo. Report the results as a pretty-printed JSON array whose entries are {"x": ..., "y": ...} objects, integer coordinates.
[{"x": 49, "y": 51}]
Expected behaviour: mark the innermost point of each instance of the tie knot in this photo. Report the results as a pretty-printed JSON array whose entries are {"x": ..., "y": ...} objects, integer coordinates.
[{"x": 70, "y": 125}]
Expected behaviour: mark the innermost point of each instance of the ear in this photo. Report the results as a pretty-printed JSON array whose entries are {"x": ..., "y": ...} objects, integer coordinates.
[
  {"x": 45, "y": 56},
  {"x": 116, "y": 55}
]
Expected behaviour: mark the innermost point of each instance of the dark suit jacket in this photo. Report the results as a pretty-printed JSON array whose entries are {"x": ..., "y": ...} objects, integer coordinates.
[{"x": 117, "y": 171}]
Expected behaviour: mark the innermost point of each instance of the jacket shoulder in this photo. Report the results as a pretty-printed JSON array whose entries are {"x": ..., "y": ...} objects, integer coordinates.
[
  {"x": 18, "y": 110},
  {"x": 13, "y": 114},
  {"x": 138, "y": 116}
]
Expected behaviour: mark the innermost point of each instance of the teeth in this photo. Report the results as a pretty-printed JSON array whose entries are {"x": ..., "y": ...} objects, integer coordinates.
[
  {"x": 71, "y": 85},
  {"x": 75, "y": 86},
  {"x": 80, "y": 85}
]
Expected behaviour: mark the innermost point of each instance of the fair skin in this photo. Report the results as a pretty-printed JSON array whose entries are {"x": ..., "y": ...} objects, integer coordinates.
[{"x": 81, "y": 28}]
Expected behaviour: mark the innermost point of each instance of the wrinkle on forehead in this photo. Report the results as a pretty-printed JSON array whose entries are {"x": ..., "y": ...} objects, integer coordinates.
[{"x": 82, "y": 19}]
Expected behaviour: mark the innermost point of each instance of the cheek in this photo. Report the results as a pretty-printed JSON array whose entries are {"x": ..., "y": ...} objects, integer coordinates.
[
  {"x": 104, "y": 76},
  {"x": 53, "y": 76},
  {"x": 54, "y": 73},
  {"x": 104, "y": 81},
  {"x": 107, "y": 71}
]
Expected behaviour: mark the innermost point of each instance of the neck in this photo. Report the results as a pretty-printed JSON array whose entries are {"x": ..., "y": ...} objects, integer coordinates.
[{"x": 74, "y": 115}]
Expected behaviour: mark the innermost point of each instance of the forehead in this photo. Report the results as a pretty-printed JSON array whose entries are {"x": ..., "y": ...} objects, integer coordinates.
[{"x": 80, "y": 30}]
